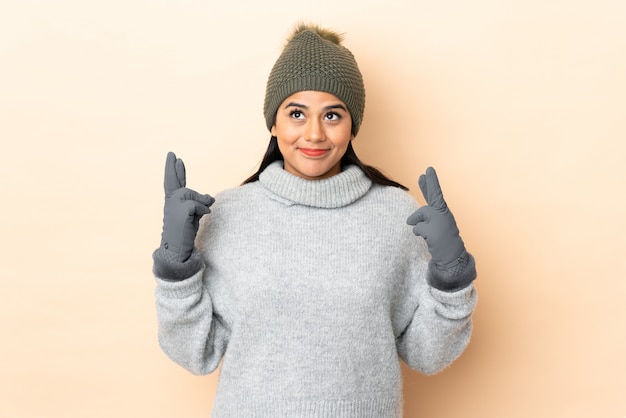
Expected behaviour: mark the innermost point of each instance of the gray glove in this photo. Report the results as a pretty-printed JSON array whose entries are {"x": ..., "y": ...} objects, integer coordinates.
[
  {"x": 183, "y": 210},
  {"x": 437, "y": 226}
]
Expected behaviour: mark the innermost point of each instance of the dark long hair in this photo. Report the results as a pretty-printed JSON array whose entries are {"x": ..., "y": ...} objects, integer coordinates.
[{"x": 349, "y": 158}]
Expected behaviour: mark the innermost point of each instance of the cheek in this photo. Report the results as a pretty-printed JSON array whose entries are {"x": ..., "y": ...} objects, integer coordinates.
[
  {"x": 288, "y": 134},
  {"x": 345, "y": 139},
  {"x": 344, "y": 147},
  {"x": 285, "y": 146}
]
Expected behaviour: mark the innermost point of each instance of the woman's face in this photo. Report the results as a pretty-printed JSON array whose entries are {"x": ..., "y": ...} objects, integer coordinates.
[{"x": 313, "y": 130}]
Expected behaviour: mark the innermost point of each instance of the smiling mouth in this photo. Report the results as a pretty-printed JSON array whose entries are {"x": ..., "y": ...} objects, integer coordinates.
[{"x": 313, "y": 152}]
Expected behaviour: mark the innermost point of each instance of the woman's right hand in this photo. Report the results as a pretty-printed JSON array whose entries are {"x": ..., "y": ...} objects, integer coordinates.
[{"x": 183, "y": 209}]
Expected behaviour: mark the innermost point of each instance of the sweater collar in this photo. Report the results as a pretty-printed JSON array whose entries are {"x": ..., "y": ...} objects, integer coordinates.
[{"x": 333, "y": 192}]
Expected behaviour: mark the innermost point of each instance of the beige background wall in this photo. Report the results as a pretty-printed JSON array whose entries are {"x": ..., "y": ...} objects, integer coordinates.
[{"x": 519, "y": 104}]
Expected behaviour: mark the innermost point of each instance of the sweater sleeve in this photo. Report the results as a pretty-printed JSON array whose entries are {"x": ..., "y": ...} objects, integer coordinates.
[
  {"x": 188, "y": 330},
  {"x": 434, "y": 326},
  {"x": 440, "y": 329}
]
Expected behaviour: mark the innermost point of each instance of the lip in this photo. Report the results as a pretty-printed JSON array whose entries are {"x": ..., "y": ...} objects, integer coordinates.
[{"x": 313, "y": 152}]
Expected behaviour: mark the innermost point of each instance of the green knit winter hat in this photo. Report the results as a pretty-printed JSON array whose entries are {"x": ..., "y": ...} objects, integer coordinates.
[{"x": 314, "y": 59}]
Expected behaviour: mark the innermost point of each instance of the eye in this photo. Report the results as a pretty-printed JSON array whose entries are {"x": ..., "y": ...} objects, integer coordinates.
[
  {"x": 296, "y": 114},
  {"x": 332, "y": 116}
]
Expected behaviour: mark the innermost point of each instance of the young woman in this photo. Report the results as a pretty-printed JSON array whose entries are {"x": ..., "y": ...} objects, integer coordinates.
[{"x": 306, "y": 283}]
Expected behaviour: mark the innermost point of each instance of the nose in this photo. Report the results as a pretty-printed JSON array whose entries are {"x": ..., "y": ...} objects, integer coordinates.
[{"x": 314, "y": 131}]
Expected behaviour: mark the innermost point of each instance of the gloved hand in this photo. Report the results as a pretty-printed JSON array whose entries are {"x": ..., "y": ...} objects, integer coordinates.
[
  {"x": 437, "y": 226},
  {"x": 183, "y": 210}
]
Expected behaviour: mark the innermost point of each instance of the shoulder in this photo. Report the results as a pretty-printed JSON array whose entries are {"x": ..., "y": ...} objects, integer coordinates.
[
  {"x": 386, "y": 208},
  {"x": 394, "y": 198},
  {"x": 232, "y": 203},
  {"x": 228, "y": 214},
  {"x": 236, "y": 196},
  {"x": 386, "y": 212}
]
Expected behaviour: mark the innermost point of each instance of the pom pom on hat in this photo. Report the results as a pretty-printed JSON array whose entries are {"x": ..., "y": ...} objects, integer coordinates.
[
  {"x": 314, "y": 59},
  {"x": 327, "y": 34}
]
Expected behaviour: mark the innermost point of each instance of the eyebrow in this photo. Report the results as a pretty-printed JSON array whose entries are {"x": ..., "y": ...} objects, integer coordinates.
[{"x": 330, "y": 107}]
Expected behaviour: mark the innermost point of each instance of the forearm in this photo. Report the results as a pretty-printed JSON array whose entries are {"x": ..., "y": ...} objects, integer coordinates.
[
  {"x": 440, "y": 329},
  {"x": 187, "y": 330}
]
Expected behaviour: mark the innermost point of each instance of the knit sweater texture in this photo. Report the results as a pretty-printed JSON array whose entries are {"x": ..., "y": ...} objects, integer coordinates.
[{"x": 310, "y": 294}]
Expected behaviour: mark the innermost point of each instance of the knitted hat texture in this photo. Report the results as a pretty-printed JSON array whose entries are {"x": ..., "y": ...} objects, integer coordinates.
[{"x": 314, "y": 59}]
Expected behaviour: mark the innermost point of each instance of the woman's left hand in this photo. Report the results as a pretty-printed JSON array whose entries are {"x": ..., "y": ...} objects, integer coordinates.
[{"x": 436, "y": 224}]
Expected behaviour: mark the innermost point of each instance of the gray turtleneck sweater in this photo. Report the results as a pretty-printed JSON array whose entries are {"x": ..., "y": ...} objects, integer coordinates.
[{"x": 309, "y": 293}]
